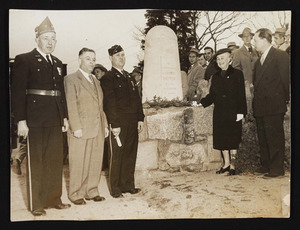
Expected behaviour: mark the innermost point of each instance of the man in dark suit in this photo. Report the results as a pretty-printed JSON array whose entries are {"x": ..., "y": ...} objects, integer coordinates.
[
  {"x": 271, "y": 96},
  {"x": 125, "y": 116},
  {"x": 39, "y": 107},
  {"x": 212, "y": 66}
]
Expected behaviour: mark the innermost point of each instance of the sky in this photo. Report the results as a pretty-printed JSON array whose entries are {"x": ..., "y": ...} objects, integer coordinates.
[
  {"x": 101, "y": 29},
  {"x": 94, "y": 29}
]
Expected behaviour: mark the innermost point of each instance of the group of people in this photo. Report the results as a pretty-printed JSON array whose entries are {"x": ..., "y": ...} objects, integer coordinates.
[
  {"x": 95, "y": 104},
  {"x": 45, "y": 104},
  {"x": 236, "y": 75}
]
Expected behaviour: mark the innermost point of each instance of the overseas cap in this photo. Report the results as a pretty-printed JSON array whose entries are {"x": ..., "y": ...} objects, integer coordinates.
[
  {"x": 45, "y": 26},
  {"x": 114, "y": 49}
]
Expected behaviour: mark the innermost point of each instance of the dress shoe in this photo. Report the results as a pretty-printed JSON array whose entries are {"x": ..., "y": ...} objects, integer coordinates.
[
  {"x": 96, "y": 198},
  {"x": 222, "y": 170},
  {"x": 18, "y": 167},
  {"x": 39, "y": 212},
  {"x": 133, "y": 191},
  {"x": 62, "y": 206},
  {"x": 231, "y": 172},
  {"x": 118, "y": 195},
  {"x": 79, "y": 202},
  {"x": 261, "y": 171},
  {"x": 273, "y": 175}
]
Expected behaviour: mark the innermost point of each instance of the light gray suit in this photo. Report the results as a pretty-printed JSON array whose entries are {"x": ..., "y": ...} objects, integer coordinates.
[
  {"x": 195, "y": 74},
  {"x": 85, "y": 110}
]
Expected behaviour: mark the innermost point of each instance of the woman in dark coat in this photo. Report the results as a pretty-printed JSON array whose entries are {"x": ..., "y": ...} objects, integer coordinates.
[{"x": 227, "y": 92}]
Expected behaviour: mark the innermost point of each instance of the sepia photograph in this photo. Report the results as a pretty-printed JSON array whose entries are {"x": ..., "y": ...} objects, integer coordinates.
[{"x": 149, "y": 114}]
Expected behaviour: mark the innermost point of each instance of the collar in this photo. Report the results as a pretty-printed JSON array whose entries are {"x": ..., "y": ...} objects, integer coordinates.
[
  {"x": 247, "y": 48},
  {"x": 86, "y": 75},
  {"x": 264, "y": 55},
  {"x": 120, "y": 70},
  {"x": 44, "y": 55}
]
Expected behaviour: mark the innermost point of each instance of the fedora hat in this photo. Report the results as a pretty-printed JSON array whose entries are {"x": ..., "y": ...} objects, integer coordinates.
[{"x": 246, "y": 31}]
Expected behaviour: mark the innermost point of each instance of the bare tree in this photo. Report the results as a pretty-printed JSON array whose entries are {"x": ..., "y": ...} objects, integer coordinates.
[
  {"x": 271, "y": 20},
  {"x": 217, "y": 26}
]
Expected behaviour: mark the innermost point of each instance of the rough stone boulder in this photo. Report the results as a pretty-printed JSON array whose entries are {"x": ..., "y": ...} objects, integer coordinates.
[{"x": 165, "y": 124}]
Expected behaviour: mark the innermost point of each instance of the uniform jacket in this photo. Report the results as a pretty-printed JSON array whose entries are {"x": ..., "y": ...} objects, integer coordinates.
[
  {"x": 245, "y": 61},
  {"x": 271, "y": 84},
  {"x": 32, "y": 71},
  {"x": 85, "y": 106},
  {"x": 194, "y": 75},
  {"x": 121, "y": 98}
]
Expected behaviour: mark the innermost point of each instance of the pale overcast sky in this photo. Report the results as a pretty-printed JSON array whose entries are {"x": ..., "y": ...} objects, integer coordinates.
[
  {"x": 95, "y": 29},
  {"x": 101, "y": 29}
]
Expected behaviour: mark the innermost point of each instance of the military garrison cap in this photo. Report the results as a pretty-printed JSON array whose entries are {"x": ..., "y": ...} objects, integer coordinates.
[
  {"x": 45, "y": 26},
  {"x": 114, "y": 49}
]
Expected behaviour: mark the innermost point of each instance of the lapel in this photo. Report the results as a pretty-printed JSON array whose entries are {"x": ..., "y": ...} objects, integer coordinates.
[
  {"x": 245, "y": 51},
  {"x": 122, "y": 79},
  {"x": 261, "y": 68},
  {"x": 39, "y": 57},
  {"x": 86, "y": 84},
  {"x": 190, "y": 75},
  {"x": 194, "y": 66}
]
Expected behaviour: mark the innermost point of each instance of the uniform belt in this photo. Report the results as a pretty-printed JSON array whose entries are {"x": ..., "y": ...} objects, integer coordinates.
[{"x": 43, "y": 92}]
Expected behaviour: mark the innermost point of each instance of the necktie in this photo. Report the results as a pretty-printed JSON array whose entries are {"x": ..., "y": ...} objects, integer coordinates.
[
  {"x": 262, "y": 59},
  {"x": 93, "y": 84},
  {"x": 48, "y": 59},
  {"x": 250, "y": 49},
  {"x": 91, "y": 78}
]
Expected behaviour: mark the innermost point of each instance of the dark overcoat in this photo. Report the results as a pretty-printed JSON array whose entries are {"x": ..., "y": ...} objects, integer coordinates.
[{"x": 227, "y": 93}]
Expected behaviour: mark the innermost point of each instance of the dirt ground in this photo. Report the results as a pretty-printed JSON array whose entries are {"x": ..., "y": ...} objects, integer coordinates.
[{"x": 168, "y": 195}]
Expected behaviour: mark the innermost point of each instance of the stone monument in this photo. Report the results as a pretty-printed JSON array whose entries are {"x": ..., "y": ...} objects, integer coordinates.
[{"x": 161, "y": 75}]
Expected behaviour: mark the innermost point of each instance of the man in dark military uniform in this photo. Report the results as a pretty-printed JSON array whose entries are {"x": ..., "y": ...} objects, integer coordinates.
[
  {"x": 124, "y": 112},
  {"x": 39, "y": 107}
]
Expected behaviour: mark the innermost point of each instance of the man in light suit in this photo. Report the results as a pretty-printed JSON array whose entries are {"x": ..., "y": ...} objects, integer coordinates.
[
  {"x": 271, "y": 96},
  {"x": 195, "y": 74},
  {"x": 88, "y": 128},
  {"x": 244, "y": 59}
]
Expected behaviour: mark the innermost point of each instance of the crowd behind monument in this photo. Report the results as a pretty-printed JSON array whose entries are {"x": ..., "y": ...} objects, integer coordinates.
[{"x": 101, "y": 112}]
